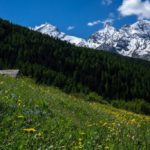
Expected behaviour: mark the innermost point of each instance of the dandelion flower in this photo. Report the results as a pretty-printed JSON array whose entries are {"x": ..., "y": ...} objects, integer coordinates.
[{"x": 29, "y": 130}]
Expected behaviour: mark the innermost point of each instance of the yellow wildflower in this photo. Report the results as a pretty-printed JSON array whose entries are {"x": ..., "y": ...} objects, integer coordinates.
[
  {"x": 106, "y": 147},
  {"x": 133, "y": 121},
  {"x": 113, "y": 123},
  {"x": 19, "y": 101},
  {"x": 89, "y": 125},
  {"x": 20, "y": 117},
  {"x": 19, "y": 104},
  {"x": 104, "y": 124},
  {"x": 29, "y": 130},
  {"x": 40, "y": 134},
  {"x": 82, "y": 133}
]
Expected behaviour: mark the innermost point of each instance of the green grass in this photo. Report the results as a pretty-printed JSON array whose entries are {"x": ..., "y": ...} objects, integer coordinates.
[{"x": 38, "y": 117}]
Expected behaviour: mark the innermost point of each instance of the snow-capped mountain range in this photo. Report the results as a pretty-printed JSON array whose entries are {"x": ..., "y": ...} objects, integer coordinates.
[{"x": 130, "y": 40}]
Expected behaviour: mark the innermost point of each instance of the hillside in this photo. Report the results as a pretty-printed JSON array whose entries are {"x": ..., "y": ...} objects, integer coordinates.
[
  {"x": 73, "y": 69},
  {"x": 40, "y": 117}
]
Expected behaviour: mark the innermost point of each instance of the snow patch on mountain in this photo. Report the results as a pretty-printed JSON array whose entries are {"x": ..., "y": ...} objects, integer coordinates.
[{"x": 54, "y": 32}]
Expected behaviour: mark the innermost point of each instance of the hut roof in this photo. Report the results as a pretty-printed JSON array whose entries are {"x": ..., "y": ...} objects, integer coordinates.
[{"x": 11, "y": 72}]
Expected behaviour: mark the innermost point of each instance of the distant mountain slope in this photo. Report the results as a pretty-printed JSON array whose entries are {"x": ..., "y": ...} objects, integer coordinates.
[
  {"x": 131, "y": 40},
  {"x": 73, "y": 69},
  {"x": 39, "y": 117},
  {"x": 53, "y": 31}
]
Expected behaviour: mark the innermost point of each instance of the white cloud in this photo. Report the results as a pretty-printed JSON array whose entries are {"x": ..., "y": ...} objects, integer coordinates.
[
  {"x": 135, "y": 7},
  {"x": 94, "y": 23},
  {"x": 106, "y": 2},
  {"x": 108, "y": 20},
  {"x": 70, "y": 28}
]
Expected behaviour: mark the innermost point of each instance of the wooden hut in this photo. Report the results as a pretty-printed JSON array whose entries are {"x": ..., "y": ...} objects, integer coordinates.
[{"x": 11, "y": 73}]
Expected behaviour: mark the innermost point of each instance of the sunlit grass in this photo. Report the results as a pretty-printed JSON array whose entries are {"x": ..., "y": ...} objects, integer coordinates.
[{"x": 39, "y": 117}]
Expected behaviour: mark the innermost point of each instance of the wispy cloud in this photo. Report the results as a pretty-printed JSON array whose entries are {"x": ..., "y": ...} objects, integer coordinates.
[
  {"x": 106, "y": 2},
  {"x": 94, "y": 23},
  {"x": 70, "y": 28},
  {"x": 135, "y": 7}
]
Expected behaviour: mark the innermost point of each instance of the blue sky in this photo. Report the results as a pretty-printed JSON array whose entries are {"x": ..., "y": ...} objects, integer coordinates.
[{"x": 75, "y": 17}]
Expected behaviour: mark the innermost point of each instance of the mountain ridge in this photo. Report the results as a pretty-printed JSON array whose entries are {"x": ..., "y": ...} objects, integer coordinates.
[
  {"x": 53, "y": 31},
  {"x": 130, "y": 40}
]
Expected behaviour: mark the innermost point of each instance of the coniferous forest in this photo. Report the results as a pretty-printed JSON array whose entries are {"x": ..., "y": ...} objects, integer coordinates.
[{"x": 73, "y": 69}]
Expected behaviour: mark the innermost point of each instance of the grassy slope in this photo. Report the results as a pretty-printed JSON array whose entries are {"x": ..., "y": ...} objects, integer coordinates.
[{"x": 60, "y": 121}]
